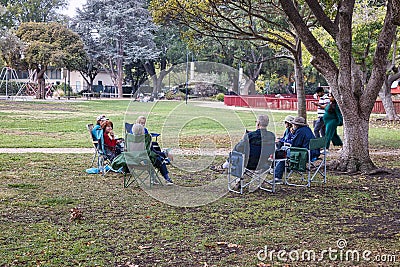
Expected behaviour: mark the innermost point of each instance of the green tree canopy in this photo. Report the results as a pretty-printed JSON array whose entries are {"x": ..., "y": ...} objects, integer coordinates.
[
  {"x": 50, "y": 44},
  {"x": 19, "y": 11}
]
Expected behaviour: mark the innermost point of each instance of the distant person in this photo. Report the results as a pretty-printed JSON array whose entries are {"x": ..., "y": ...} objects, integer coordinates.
[
  {"x": 332, "y": 118},
  {"x": 231, "y": 92},
  {"x": 323, "y": 101}
]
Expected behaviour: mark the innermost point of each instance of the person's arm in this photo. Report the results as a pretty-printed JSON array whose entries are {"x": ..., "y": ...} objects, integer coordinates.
[
  {"x": 297, "y": 140},
  {"x": 320, "y": 105},
  {"x": 241, "y": 146},
  {"x": 109, "y": 142}
]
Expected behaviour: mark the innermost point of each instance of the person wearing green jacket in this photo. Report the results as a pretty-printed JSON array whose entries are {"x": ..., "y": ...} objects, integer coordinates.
[{"x": 332, "y": 119}]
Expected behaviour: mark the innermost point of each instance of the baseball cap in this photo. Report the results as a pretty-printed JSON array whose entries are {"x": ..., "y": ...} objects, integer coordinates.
[{"x": 102, "y": 117}]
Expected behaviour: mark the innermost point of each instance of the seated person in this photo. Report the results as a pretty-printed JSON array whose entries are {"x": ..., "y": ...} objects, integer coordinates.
[
  {"x": 301, "y": 138},
  {"x": 251, "y": 144},
  {"x": 142, "y": 120},
  {"x": 154, "y": 145},
  {"x": 156, "y": 159},
  {"x": 111, "y": 145},
  {"x": 97, "y": 127},
  {"x": 287, "y": 135}
]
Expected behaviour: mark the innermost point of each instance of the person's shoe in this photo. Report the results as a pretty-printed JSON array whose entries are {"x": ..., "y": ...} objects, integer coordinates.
[
  {"x": 217, "y": 169},
  {"x": 170, "y": 183},
  {"x": 277, "y": 181},
  {"x": 155, "y": 182}
]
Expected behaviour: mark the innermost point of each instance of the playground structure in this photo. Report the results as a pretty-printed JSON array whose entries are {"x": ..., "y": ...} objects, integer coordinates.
[{"x": 10, "y": 80}]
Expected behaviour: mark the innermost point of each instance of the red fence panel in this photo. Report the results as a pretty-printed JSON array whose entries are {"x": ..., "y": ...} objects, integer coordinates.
[{"x": 288, "y": 103}]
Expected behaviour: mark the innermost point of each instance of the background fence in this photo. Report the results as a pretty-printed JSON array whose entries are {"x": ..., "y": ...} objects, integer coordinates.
[{"x": 287, "y": 103}]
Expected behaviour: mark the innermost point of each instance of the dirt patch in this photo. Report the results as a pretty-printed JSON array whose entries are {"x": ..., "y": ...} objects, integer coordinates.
[
  {"x": 44, "y": 106},
  {"x": 380, "y": 123}
]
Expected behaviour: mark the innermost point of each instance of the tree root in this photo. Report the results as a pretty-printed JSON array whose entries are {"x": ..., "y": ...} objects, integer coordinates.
[
  {"x": 386, "y": 118},
  {"x": 380, "y": 171},
  {"x": 351, "y": 166}
]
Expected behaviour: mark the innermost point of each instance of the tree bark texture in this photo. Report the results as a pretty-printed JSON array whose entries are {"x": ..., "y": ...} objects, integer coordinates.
[
  {"x": 299, "y": 80},
  {"x": 386, "y": 97}
]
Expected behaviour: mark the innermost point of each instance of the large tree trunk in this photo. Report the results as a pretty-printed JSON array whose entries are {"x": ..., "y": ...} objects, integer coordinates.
[
  {"x": 157, "y": 80},
  {"x": 299, "y": 82},
  {"x": 355, "y": 99},
  {"x": 41, "y": 92},
  {"x": 355, "y": 153},
  {"x": 386, "y": 97},
  {"x": 249, "y": 87},
  {"x": 120, "y": 73}
]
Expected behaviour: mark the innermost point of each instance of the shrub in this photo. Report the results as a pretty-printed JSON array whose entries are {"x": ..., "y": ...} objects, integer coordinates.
[
  {"x": 169, "y": 95},
  {"x": 220, "y": 97}
]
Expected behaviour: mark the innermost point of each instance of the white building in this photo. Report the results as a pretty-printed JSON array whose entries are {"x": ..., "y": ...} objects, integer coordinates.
[{"x": 73, "y": 78}]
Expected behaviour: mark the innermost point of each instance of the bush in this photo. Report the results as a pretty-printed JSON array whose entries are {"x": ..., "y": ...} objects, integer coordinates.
[
  {"x": 220, "y": 97},
  {"x": 178, "y": 96},
  {"x": 169, "y": 95}
]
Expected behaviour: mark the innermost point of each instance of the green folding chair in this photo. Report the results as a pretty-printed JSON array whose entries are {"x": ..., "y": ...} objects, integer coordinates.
[
  {"x": 318, "y": 165},
  {"x": 305, "y": 169},
  {"x": 138, "y": 162}
]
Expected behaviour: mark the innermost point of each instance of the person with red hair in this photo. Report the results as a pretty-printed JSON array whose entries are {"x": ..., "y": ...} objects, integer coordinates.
[{"x": 111, "y": 144}]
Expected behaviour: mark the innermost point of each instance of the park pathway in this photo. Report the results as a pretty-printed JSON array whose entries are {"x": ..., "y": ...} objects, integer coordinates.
[{"x": 217, "y": 152}]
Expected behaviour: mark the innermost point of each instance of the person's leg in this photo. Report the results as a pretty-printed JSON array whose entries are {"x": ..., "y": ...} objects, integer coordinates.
[
  {"x": 330, "y": 130},
  {"x": 164, "y": 172},
  {"x": 317, "y": 127},
  {"x": 336, "y": 141},
  {"x": 279, "y": 169},
  {"x": 323, "y": 128},
  {"x": 160, "y": 165}
]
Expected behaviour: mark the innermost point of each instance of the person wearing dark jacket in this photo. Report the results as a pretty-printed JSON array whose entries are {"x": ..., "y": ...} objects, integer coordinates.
[
  {"x": 302, "y": 136},
  {"x": 252, "y": 143}
]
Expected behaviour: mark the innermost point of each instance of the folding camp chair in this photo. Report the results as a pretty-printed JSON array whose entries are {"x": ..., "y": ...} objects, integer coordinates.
[
  {"x": 99, "y": 152},
  {"x": 242, "y": 177},
  {"x": 301, "y": 164},
  {"x": 90, "y": 127},
  {"x": 154, "y": 144},
  {"x": 138, "y": 162}
]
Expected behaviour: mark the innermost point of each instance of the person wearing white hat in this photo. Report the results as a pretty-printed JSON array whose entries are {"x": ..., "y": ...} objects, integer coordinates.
[
  {"x": 288, "y": 134},
  {"x": 301, "y": 138},
  {"x": 97, "y": 127}
]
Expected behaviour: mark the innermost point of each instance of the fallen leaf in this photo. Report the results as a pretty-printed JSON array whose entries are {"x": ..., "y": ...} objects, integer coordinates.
[
  {"x": 230, "y": 245},
  {"x": 144, "y": 247}
]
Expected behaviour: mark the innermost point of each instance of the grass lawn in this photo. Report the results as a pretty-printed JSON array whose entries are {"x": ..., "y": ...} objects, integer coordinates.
[{"x": 126, "y": 227}]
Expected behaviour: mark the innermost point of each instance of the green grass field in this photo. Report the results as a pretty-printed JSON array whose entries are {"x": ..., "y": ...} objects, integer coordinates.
[{"x": 127, "y": 227}]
